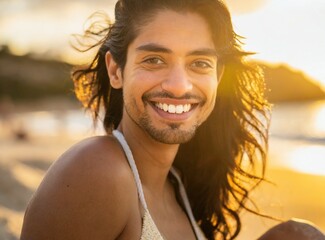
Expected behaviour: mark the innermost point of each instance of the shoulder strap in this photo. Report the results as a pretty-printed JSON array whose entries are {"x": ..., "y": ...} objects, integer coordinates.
[
  {"x": 119, "y": 136},
  {"x": 187, "y": 205}
]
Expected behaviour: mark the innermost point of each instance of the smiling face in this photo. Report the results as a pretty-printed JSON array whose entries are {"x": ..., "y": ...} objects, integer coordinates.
[{"x": 170, "y": 78}]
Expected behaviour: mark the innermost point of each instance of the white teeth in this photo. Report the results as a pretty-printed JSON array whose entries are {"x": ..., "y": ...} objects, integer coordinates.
[
  {"x": 187, "y": 107},
  {"x": 165, "y": 107},
  {"x": 171, "y": 108},
  {"x": 178, "y": 109}
]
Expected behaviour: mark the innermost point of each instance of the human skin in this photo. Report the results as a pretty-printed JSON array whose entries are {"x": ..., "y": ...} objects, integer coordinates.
[
  {"x": 178, "y": 69},
  {"x": 89, "y": 192}
]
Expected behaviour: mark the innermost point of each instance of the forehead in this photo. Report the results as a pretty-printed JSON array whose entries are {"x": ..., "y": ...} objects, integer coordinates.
[{"x": 175, "y": 30}]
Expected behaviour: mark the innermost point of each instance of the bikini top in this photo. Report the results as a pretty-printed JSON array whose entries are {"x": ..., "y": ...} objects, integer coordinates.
[{"x": 149, "y": 228}]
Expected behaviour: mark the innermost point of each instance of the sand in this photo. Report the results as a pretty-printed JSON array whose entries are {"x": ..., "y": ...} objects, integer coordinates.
[
  {"x": 293, "y": 195},
  {"x": 23, "y": 163}
]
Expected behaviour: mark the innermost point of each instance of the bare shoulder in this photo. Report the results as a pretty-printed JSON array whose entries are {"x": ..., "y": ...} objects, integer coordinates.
[
  {"x": 97, "y": 160},
  {"x": 99, "y": 154},
  {"x": 88, "y": 193}
]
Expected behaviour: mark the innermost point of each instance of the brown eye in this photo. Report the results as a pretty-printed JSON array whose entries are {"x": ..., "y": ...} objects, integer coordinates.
[
  {"x": 154, "y": 60},
  {"x": 201, "y": 64}
]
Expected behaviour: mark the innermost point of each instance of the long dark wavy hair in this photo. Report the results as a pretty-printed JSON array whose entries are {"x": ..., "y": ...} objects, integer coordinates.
[{"x": 220, "y": 164}]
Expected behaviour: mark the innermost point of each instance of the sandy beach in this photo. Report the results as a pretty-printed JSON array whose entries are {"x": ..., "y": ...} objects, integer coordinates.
[{"x": 23, "y": 163}]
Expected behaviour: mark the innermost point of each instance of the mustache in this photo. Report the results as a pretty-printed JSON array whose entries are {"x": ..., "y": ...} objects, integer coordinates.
[{"x": 187, "y": 96}]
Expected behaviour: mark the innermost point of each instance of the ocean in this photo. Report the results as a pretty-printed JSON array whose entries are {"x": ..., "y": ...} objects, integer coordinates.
[
  {"x": 297, "y": 136},
  {"x": 297, "y": 133}
]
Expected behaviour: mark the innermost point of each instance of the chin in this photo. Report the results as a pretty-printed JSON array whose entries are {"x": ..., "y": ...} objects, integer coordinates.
[{"x": 171, "y": 135}]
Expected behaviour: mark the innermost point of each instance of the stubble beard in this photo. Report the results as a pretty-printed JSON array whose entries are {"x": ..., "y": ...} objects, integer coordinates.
[{"x": 171, "y": 134}]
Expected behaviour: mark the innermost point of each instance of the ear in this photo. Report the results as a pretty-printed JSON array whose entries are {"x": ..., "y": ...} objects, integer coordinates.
[{"x": 114, "y": 71}]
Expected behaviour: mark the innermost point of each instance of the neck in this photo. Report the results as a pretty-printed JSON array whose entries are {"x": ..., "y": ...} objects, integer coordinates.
[{"x": 153, "y": 159}]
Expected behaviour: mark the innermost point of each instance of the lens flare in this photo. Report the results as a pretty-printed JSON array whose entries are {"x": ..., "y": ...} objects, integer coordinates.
[
  {"x": 308, "y": 159},
  {"x": 319, "y": 123}
]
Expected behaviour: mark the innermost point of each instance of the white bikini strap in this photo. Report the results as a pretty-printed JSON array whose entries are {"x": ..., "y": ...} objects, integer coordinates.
[
  {"x": 186, "y": 202},
  {"x": 119, "y": 136}
]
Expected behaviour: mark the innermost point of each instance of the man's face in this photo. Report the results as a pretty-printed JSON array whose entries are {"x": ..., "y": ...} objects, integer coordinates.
[{"x": 170, "y": 77}]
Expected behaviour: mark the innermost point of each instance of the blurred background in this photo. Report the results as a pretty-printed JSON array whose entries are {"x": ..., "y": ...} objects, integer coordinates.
[{"x": 40, "y": 118}]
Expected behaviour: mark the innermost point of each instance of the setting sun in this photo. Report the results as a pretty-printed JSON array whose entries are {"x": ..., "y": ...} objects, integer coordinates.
[
  {"x": 320, "y": 120},
  {"x": 308, "y": 159}
]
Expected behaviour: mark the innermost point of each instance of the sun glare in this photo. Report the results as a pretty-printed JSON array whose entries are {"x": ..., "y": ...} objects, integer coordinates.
[
  {"x": 320, "y": 120},
  {"x": 308, "y": 159}
]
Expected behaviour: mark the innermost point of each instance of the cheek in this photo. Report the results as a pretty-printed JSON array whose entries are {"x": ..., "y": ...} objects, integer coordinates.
[
  {"x": 142, "y": 80},
  {"x": 210, "y": 91},
  {"x": 135, "y": 85},
  {"x": 149, "y": 79},
  {"x": 208, "y": 87}
]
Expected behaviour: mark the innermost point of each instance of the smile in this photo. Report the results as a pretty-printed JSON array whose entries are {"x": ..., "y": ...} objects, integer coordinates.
[{"x": 171, "y": 108}]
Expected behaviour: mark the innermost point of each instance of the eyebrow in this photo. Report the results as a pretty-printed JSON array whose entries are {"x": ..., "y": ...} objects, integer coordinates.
[
  {"x": 152, "y": 47},
  {"x": 203, "y": 52}
]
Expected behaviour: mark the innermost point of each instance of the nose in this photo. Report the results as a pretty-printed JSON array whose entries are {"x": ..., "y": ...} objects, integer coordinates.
[{"x": 177, "y": 81}]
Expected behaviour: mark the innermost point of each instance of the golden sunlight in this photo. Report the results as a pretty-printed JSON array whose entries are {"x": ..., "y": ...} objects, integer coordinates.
[
  {"x": 243, "y": 7},
  {"x": 308, "y": 159},
  {"x": 320, "y": 120}
]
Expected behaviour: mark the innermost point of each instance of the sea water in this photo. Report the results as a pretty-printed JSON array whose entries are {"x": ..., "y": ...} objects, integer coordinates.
[{"x": 297, "y": 133}]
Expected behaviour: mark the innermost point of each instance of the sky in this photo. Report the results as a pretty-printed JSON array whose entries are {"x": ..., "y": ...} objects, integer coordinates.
[
  {"x": 280, "y": 31},
  {"x": 288, "y": 31}
]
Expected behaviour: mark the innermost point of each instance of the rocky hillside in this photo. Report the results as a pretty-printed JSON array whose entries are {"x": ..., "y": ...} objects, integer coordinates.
[
  {"x": 27, "y": 78},
  {"x": 285, "y": 84}
]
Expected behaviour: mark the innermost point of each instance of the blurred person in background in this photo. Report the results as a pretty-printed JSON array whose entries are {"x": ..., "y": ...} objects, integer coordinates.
[{"x": 186, "y": 121}]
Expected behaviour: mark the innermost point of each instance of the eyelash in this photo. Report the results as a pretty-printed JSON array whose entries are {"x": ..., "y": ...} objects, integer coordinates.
[
  {"x": 200, "y": 63},
  {"x": 154, "y": 60}
]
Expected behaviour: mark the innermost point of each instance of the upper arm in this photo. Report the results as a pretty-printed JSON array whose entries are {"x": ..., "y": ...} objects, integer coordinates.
[{"x": 84, "y": 195}]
